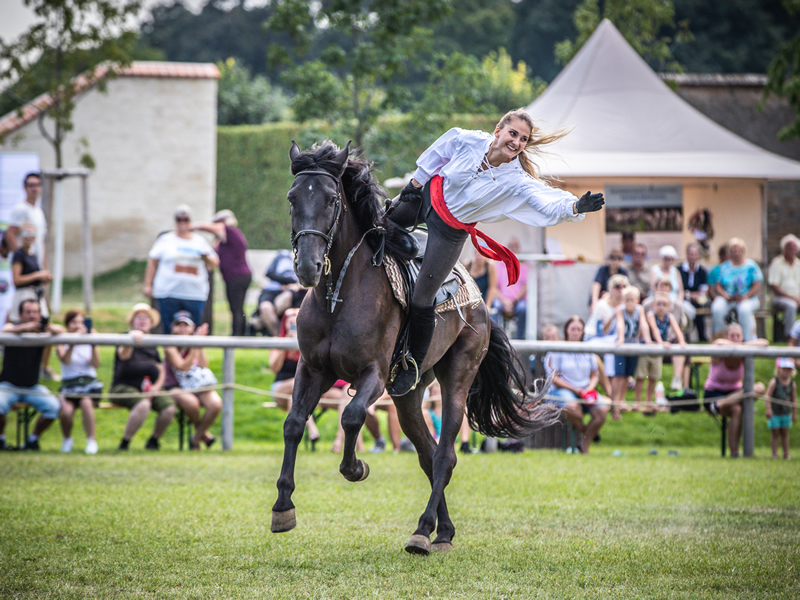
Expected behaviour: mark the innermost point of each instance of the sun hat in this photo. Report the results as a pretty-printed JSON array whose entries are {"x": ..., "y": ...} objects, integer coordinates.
[
  {"x": 145, "y": 308},
  {"x": 668, "y": 251},
  {"x": 785, "y": 363},
  {"x": 226, "y": 216},
  {"x": 183, "y": 210},
  {"x": 789, "y": 238},
  {"x": 182, "y": 316}
]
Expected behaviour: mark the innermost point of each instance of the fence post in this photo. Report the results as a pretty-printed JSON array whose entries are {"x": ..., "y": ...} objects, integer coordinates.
[
  {"x": 748, "y": 407},
  {"x": 228, "y": 379}
]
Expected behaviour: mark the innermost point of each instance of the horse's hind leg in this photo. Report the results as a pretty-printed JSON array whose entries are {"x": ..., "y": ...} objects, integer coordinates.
[
  {"x": 368, "y": 388},
  {"x": 308, "y": 387}
]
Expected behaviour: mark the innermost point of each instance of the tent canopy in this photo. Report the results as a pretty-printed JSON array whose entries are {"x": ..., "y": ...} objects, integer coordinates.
[{"x": 626, "y": 122}]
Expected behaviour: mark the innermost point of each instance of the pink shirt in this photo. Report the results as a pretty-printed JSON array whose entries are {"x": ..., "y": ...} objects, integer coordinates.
[
  {"x": 724, "y": 379},
  {"x": 519, "y": 289}
]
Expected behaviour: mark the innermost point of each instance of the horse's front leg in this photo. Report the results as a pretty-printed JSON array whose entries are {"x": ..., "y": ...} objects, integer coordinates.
[
  {"x": 368, "y": 388},
  {"x": 308, "y": 387}
]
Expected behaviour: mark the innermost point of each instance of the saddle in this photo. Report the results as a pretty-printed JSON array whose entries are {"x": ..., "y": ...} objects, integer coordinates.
[{"x": 457, "y": 291}]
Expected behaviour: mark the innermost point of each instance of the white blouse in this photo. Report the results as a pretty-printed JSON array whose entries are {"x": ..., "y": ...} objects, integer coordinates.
[{"x": 495, "y": 194}]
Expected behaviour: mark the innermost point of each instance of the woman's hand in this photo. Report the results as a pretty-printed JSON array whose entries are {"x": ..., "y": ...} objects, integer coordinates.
[
  {"x": 411, "y": 193},
  {"x": 201, "y": 329},
  {"x": 589, "y": 202}
]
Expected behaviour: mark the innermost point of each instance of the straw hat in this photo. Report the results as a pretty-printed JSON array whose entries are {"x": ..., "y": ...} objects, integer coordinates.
[{"x": 155, "y": 317}]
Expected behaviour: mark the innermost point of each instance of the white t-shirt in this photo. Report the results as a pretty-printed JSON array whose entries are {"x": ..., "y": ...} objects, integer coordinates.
[
  {"x": 24, "y": 212},
  {"x": 80, "y": 363},
  {"x": 496, "y": 194},
  {"x": 181, "y": 271}
]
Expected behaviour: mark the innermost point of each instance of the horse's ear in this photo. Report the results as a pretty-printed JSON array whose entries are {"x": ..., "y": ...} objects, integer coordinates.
[
  {"x": 341, "y": 158},
  {"x": 294, "y": 151}
]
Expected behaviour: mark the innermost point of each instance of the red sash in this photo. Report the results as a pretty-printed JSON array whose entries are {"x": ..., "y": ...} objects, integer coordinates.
[{"x": 494, "y": 251}]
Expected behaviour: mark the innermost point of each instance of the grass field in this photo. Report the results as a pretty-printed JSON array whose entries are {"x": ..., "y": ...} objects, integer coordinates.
[{"x": 537, "y": 525}]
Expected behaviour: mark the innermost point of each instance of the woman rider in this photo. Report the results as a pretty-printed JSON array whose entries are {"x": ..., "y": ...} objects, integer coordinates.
[{"x": 463, "y": 178}]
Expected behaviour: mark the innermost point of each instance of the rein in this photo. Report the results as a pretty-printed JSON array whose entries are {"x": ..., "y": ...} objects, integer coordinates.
[{"x": 332, "y": 295}]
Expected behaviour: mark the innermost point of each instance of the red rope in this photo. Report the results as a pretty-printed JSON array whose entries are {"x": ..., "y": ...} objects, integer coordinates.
[{"x": 494, "y": 251}]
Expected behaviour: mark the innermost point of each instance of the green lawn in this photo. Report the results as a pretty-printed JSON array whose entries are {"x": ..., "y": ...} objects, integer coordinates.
[{"x": 537, "y": 525}]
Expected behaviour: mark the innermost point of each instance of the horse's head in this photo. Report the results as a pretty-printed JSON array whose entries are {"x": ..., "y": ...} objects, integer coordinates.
[{"x": 316, "y": 206}]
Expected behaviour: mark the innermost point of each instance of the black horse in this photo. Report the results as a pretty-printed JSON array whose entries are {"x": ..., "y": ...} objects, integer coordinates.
[{"x": 348, "y": 325}]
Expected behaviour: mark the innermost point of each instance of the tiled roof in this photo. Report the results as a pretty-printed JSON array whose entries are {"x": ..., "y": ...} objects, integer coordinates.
[{"x": 34, "y": 108}]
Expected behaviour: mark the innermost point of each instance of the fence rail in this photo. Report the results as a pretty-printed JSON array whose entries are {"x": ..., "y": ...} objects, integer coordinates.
[{"x": 229, "y": 344}]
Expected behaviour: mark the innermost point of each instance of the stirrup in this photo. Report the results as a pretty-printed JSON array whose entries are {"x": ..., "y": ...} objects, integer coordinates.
[{"x": 396, "y": 371}]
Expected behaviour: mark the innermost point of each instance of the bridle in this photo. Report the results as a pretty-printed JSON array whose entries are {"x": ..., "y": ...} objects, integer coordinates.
[
  {"x": 341, "y": 207},
  {"x": 338, "y": 210}
]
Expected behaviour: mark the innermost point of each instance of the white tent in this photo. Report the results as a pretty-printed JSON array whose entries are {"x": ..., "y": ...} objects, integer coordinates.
[{"x": 626, "y": 122}]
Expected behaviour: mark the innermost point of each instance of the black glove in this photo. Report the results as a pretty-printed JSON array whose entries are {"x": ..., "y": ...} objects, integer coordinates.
[
  {"x": 410, "y": 193},
  {"x": 590, "y": 202}
]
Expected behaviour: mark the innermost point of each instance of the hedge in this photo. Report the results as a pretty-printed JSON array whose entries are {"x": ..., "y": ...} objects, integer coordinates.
[{"x": 253, "y": 173}]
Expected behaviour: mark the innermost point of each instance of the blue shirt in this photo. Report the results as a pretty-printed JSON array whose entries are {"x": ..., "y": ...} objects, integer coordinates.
[{"x": 737, "y": 280}]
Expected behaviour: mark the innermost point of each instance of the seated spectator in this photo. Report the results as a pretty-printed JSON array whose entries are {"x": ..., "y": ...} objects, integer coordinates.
[
  {"x": 631, "y": 329},
  {"x": 713, "y": 274},
  {"x": 667, "y": 269},
  {"x": 178, "y": 267},
  {"x": 484, "y": 273},
  {"x": 187, "y": 369},
  {"x": 604, "y": 273},
  {"x": 79, "y": 363},
  {"x": 21, "y": 374},
  {"x": 663, "y": 327},
  {"x": 638, "y": 273},
  {"x": 282, "y": 291},
  {"x": 284, "y": 364},
  {"x": 781, "y": 405},
  {"x": 510, "y": 302},
  {"x": 737, "y": 288},
  {"x": 695, "y": 284},
  {"x": 574, "y": 386},
  {"x": 784, "y": 281},
  {"x": 139, "y": 374},
  {"x": 602, "y": 326},
  {"x": 628, "y": 245},
  {"x": 724, "y": 384}
]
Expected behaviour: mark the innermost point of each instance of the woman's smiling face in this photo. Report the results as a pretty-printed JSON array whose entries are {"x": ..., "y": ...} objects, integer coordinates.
[{"x": 512, "y": 138}]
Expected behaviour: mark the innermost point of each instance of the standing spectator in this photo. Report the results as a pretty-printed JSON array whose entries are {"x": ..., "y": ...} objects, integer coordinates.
[
  {"x": 781, "y": 405},
  {"x": 663, "y": 328},
  {"x": 177, "y": 270},
  {"x": 784, "y": 281},
  {"x": 631, "y": 329},
  {"x": 484, "y": 273},
  {"x": 663, "y": 286},
  {"x": 138, "y": 372},
  {"x": 713, "y": 274},
  {"x": 187, "y": 369},
  {"x": 21, "y": 374},
  {"x": 511, "y": 299},
  {"x": 28, "y": 212},
  {"x": 737, "y": 288},
  {"x": 638, "y": 273},
  {"x": 723, "y": 391},
  {"x": 231, "y": 248},
  {"x": 695, "y": 285},
  {"x": 574, "y": 385},
  {"x": 79, "y": 363},
  {"x": 604, "y": 273},
  {"x": 628, "y": 245}
]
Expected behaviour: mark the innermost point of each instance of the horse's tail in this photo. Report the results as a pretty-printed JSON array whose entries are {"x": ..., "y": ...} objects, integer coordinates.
[{"x": 499, "y": 404}]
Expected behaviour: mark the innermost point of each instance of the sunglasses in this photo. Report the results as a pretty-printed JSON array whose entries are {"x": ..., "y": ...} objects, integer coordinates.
[
  {"x": 182, "y": 219},
  {"x": 615, "y": 257}
]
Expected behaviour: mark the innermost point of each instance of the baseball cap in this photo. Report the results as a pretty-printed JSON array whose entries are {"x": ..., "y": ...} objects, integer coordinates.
[
  {"x": 785, "y": 363},
  {"x": 182, "y": 316}
]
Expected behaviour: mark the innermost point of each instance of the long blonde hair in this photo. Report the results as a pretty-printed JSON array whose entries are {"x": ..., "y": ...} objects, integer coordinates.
[{"x": 537, "y": 139}]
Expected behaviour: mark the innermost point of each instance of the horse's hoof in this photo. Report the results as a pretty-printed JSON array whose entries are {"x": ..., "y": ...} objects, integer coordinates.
[
  {"x": 283, "y": 521},
  {"x": 365, "y": 468},
  {"x": 441, "y": 546},
  {"x": 419, "y": 544}
]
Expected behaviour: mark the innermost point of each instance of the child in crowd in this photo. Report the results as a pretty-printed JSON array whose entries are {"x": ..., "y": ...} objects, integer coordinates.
[
  {"x": 660, "y": 322},
  {"x": 631, "y": 327},
  {"x": 781, "y": 405}
]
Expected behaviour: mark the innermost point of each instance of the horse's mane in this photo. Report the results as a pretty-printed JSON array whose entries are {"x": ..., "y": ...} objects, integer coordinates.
[{"x": 363, "y": 194}]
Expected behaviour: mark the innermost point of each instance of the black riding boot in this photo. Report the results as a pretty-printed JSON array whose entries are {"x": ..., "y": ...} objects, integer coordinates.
[{"x": 422, "y": 323}]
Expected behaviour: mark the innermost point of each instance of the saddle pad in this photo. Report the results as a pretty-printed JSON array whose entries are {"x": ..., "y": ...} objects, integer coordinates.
[{"x": 468, "y": 293}]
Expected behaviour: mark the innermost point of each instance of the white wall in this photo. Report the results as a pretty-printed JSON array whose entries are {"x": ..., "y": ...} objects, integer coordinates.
[{"x": 154, "y": 144}]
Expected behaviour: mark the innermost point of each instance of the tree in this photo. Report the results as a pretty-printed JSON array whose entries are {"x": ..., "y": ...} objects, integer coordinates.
[
  {"x": 783, "y": 76},
  {"x": 70, "y": 36},
  {"x": 369, "y": 45},
  {"x": 639, "y": 21},
  {"x": 245, "y": 101}
]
